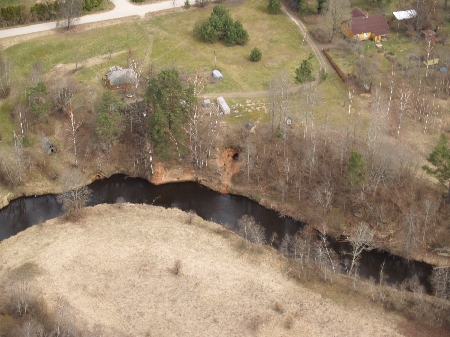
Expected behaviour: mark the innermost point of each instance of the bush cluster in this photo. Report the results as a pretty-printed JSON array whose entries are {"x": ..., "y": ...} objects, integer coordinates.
[
  {"x": 220, "y": 26},
  {"x": 44, "y": 11},
  {"x": 89, "y": 5}
]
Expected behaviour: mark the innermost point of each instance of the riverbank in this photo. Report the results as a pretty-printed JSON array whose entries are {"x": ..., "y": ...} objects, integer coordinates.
[
  {"x": 115, "y": 269},
  {"x": 220, "y": 182}
]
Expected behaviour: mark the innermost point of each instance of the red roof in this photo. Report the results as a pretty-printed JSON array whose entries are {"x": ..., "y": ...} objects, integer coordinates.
[
  {"x": 357, "y": 13},
  {"x": 375, "y": 24}
]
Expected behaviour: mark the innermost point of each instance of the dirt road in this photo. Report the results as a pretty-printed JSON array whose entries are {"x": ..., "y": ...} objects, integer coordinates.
[
  {"x": 122, "y": 9},
  {"x": 322, "y": 62}
]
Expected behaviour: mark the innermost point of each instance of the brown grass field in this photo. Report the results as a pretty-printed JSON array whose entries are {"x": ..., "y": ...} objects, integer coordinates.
[{"x": 115, "y": 271}]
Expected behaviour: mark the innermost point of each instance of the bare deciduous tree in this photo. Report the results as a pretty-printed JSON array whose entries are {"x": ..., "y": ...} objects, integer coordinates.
[
  {"x": 404, "y": 96},
  {"x": 76, "y": 194},
  {"x": 251, "y": 230},
  {"x": 71, "y": 10},
  {"x": 73, "y": 129},
  {"x": 362, "y": 239},
  {"x": 279, "y": 102},
  {"x": 440, "y": 280},
  {"x": 410, "y": 229},
  {"x": 339, "y": 11},
  {"x": 63, "y": 93}
]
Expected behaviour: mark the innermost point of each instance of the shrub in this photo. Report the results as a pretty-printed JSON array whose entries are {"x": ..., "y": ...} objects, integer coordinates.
[
  {"x": 190, "y": 215},
  {"x": 176, "y": 269},
  {"x": 187, "y": 5},
  {"x": 255, "y": 55},
  {"x": 323, "y": 75}
]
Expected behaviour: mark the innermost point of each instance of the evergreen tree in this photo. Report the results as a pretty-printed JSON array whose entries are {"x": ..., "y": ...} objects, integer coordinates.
[
  {"x": 256, "y": 55},
  {"x": 39, "y": 103},
  {"x": 440, "y": 159},
  {"x": 274, "y": 6},
  {"x": 108, "y": 124},
  {"x": 241, "y": 33},
  {"x": 304, "y": 73},
  {"x": 356, "y": 169},
  {"x": 220, "y": 26},
  {"x": 169, "y": 102}
]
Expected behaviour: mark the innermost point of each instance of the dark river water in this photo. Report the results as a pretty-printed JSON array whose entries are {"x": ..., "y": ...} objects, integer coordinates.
[{"x": 208, "y": 204}]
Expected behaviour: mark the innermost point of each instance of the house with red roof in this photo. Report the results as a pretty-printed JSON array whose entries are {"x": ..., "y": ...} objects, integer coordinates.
[{"x": 363, "y": 26}]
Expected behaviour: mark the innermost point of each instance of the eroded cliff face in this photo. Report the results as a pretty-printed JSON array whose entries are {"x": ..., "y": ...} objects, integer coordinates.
[
  {"x": 163, "y": 174},
  {"x": 229, "y": 165},
  {"x": 218, "y": 177}
]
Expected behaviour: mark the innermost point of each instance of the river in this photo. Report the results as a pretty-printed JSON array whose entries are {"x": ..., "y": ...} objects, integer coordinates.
[{"x": 208, "y": 204}]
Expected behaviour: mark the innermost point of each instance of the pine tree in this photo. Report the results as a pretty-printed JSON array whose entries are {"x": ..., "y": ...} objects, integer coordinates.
[
  {"x": 256, "y": 55},
  {"x": 274, "y": 7},
  {"x": 108, "y": 124},
  {"x": 356, "y": 167},
  {"x": 304, "y": 73},
  {"x": 169, "y": 102}
]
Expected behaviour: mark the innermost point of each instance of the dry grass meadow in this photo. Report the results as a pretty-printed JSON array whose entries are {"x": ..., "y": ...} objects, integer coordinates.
[{"x": 139, "y": 270}]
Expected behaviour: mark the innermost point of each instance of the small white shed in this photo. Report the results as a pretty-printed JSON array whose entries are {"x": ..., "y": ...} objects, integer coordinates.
[
  {"x": 223, "y": 106},
  {"x": 217, "y": 75}
]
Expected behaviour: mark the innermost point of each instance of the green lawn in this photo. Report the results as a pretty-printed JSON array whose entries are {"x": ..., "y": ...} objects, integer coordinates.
[{"x": 167, "y": 41}]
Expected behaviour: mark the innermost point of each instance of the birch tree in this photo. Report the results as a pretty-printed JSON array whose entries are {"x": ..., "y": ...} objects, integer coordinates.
[
  {"x": 73, "y": 129},
  {"x": 405, "y": 93},
  {"x": 251, "y": 230},
  {"x": 76, "y": 194},
  {"x": 361, "y": 239}
]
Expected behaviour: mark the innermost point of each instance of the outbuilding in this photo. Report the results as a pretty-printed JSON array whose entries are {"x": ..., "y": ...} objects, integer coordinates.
[
  {"x": 405, "y": 15},
  {"x": 217, "y": 75}
]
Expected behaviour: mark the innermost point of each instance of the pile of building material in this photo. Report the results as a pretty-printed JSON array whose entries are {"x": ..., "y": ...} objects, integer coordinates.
[{"x": 223, "y": 106}]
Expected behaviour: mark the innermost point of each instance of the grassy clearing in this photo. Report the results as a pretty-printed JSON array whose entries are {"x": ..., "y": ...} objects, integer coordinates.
[
  {"x": 62, "y": 48},
  {"x": 168, "y": 41}
]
